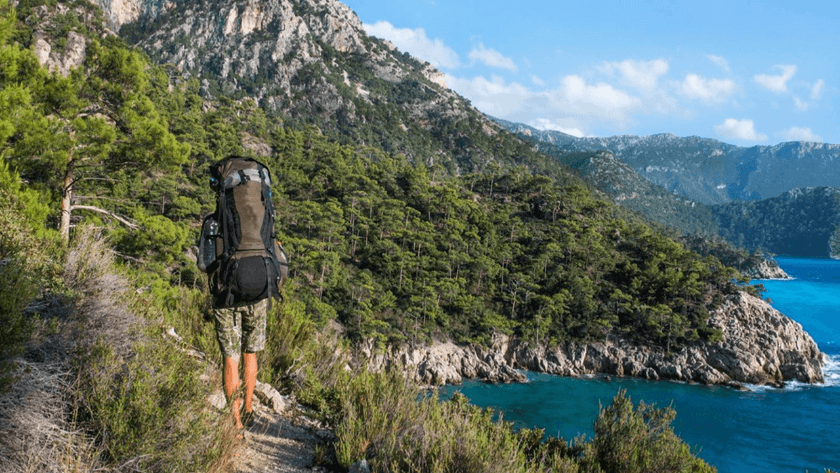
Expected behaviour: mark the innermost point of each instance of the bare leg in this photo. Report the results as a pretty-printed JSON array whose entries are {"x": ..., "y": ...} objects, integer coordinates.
[
  {"x": 231, "y": 380},
  {"x": 250, "y": 361}
]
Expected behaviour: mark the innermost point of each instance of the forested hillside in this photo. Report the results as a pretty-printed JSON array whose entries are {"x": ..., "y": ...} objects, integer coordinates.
[
  {"x": 393, "y": 249},
  {"x": 710, "y": 171},
  {"x": 801, "y": 222},
  {"x": 626, "y": 187}
]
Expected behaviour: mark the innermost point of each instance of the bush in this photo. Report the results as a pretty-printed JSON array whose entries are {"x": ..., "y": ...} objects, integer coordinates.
[
  {"x": 638, "y": 440},
  {"x": 27, "y": 270},
  {"x": 150, "y": 411},
  {"x": 388, "y": 421},
  {"x": 382, "y": 420},
  {"x": 141, "y": 397}
]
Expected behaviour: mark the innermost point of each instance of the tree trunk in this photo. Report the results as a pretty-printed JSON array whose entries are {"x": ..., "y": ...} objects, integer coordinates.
[{"x": 66, "y": 203}]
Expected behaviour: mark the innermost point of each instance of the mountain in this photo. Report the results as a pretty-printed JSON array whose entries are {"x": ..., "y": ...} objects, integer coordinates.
[
  {"x": 311, "y": 63},
  {"x": 624, "y": 185},
  {"x": 800, "y": 222},
  {"x": 710, "y": 171}
]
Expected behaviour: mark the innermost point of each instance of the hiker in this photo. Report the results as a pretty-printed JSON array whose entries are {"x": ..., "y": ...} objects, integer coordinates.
[{"x": 246, "y": 265}]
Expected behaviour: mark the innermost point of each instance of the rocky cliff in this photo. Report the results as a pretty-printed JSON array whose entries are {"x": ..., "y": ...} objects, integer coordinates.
[
  {"x": 766, "y": 269},
  {"x": 297, "y": 57},
  {"x": 760, "y": 345}
]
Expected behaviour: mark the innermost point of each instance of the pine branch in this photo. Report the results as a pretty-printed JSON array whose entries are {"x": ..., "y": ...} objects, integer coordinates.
[{"x": 116, "y": 217}]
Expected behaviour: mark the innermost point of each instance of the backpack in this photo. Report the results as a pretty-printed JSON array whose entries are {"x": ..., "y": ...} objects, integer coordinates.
[{"x": 238, "y": 246}]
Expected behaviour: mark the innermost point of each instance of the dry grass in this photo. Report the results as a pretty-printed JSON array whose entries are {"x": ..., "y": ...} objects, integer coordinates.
[
  {"x": 61, "y": 414},
  {"x": 101, "y": 304},
  {"x": 36, "y": 433}
]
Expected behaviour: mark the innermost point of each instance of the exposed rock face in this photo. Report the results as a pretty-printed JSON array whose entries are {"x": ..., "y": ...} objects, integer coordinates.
[
  {"x": 760, "y": 346},
  {"x": 60, "y": 60},
  {"x": 119, "y": 12},
  {"x": 766, "y": 270},
  {"x": 448, "y": 363},
  {"x": 242, "y": 40},
  {"x": 301, "y": 58}
]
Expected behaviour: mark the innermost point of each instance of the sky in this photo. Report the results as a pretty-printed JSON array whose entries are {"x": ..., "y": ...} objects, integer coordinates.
[{"x": 743, "y": 72}]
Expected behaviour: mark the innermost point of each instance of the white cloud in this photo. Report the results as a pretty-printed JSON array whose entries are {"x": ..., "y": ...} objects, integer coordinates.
[
  {"x": 537, "y": 81},
  {"x": 739, "y": 130},
  {"x": 817, "y": 89},
  {"x": 777, "y": 83},
  {"x": 800, "y": 105},
  {"x": 800, "y": 134},
  {"x": 491, "y": 57},
  {"x": 573, "y": 106},
  {"x": 546, "y": 124},
  {"x": 494, "y": 96},
  {"x": 416, "y": 43},
  {"x": 707, "y": 90},
  {"x": 599, "y": 100},
  {"x": 641, "y": 75},
  {"x": 719, "y": 61}
]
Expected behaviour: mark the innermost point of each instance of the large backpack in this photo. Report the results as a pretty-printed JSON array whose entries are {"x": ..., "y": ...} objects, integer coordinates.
[{"x": 238, "y": 246}]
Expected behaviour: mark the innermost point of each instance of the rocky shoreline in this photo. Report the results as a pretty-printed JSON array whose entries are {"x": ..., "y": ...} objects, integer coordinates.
[
  {"x": 767, "y": 269},
  {"x": 760, "y": 346}
]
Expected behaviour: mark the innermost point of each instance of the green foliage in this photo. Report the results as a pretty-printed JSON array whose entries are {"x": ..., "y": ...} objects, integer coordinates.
[
  {"x": 800, "y": 222},
  {"x": 638, "y": 440},
  {"x": 138, "y": 394},
  {"x": 27, "y": 200},
  {"x": 628, "y": 188},
  {"x": 382, "y": 420},
  {"x": 389, "y": 422},
  {"x": 150, "y": 409},
  {"x": 724, "y": 251},
  {"x": 289, "y": 342},
  {"x": 158, "y": 238},
  {"x": 28, "y": 268},
  {"x": 390, "y": 241}
]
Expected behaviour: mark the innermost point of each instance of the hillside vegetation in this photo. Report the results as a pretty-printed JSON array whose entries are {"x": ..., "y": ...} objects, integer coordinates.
[
  {"x": 627, "y": 188},
  {"x": 802, "y": 222}
]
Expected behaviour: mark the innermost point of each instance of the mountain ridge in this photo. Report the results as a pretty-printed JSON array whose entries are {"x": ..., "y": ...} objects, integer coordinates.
[{"x": 708, "y": 170}]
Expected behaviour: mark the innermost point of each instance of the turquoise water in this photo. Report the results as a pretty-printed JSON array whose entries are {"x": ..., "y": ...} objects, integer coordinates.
[{"x": 795, "y": 429}]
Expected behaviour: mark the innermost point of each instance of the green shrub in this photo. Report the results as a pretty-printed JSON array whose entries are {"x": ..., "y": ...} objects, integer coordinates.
[
  {"x": 27, "y": 270},
  {"x": 390, "y": 422},
  {"x": 387, "y": 420},
  {"x": 149, "y": 411},
  {"x": 638, "y": 440},
  {"x": 290, "y": 340},
  {"x": 138, "y": 394}
]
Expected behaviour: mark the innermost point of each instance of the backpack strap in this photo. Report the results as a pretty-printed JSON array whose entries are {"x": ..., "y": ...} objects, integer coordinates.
[
  {"x": 231, "y": 271},
  {"x": 244, "y": 175}
]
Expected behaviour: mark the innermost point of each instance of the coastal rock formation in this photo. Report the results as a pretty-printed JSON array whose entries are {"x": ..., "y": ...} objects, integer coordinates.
[
  {"x": 447, "y": 363},
  {"x": 760, "y": 345},
  {"x": 766, "y": 269}
]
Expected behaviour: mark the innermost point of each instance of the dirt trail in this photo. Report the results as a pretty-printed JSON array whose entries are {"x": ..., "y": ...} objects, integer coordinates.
[{"x": 276, "y": 443}]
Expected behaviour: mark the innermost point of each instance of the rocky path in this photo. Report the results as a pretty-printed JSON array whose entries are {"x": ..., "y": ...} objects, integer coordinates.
[
  {"x": 274, "y": 444},
  {"x": 279, "y": 440}
]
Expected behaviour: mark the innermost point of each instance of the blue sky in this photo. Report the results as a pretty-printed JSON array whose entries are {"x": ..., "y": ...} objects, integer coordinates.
[{"x": 747, "y": 73}]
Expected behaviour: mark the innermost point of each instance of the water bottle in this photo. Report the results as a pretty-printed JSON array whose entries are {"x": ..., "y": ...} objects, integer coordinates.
[{"x": 212, "y": 231}]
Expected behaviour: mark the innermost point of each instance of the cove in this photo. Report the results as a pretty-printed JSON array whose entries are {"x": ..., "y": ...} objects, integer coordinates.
[{"x": 794, "y": 429}]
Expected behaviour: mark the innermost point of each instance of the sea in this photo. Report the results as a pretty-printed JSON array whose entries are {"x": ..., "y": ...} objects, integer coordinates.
[{"x": 757, "y": 430}]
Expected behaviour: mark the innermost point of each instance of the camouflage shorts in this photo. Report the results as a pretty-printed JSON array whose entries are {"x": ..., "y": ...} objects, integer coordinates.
[{"x": 241, "y": 329}]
